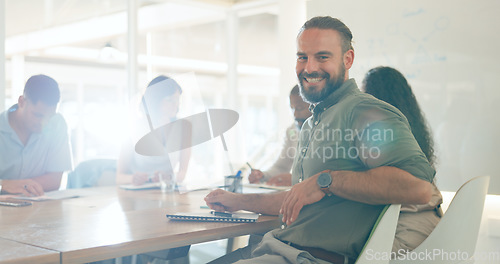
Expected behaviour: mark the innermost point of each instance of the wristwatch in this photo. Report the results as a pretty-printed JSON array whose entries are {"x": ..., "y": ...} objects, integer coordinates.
[{"x": 324, "y": 181}]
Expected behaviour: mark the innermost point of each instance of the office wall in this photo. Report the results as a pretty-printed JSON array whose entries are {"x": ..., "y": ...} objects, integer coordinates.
[{"x": 449, "y": 52}]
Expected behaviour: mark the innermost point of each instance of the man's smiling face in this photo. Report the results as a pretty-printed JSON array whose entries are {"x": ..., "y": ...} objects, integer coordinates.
[{"x": 321, "y": 64}]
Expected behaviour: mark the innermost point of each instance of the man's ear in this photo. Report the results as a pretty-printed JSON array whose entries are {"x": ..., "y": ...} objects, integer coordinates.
[
  {"x": 21, "y": 101},
  {"x": 348, "y": 59}
]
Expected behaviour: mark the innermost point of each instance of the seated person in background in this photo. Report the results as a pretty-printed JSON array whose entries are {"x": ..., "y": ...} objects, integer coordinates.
[
  {"x": 162, "y": 97},
  {"x": 34, "y": 142},
  {"x": 416, "y": 222},
  {"x": 279, "y": 173},
  {"x": 162, "y": 101}
]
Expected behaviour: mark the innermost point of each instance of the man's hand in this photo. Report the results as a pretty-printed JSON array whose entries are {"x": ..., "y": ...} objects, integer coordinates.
[
  {"x": 255, "y": 176},
  {"x": 284, "y": 179},
  {"x": 25, "y": 187},
  {"x": 139, "y": 178},
  {"x": 220, "y": 200},
  {"x": 304, "y": 193}
]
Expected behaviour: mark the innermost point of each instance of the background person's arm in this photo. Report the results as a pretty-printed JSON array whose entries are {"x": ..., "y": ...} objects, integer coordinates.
[
  {"x": 283, "y": 179},
  {"x": 123, "y": 172},
  {"x": 284, "y": 162},
  {"x": 27, "y": 187},
  {"x": 36, "y": 186},
  {"x": 50, "y": 181}
]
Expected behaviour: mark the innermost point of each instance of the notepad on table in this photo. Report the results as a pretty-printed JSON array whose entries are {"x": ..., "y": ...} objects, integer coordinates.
[
  {"x": 238, "y": 217},
  {"x": 54, "y": 195},
  {"x": 146, "y": 186}
]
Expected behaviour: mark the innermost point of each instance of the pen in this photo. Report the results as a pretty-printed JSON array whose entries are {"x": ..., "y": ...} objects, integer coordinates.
[
  {"x": 223, "y": 214},
  {"x": 150, "y": 178},
  {"x": 250, "y": 166}
]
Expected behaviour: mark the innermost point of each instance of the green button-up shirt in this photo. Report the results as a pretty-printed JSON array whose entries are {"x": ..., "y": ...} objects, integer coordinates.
[{"x": 353, "y": 131}]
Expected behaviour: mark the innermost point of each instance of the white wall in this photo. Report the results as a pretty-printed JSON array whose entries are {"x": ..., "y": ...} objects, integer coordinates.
[{"x": 448, "y": 50}]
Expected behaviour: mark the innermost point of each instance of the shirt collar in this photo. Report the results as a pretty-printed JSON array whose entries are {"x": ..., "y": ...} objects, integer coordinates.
[
  {"x": 347, "y": 88},
  {"x": 4, "y": 119}
]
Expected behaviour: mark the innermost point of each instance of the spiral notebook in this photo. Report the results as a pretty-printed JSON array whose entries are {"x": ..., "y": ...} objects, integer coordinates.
[{"x": 211, "y": 217}]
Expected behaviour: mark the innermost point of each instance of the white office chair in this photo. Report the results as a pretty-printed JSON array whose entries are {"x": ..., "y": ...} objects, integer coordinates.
[
  {"x": 379, "y": 245},
  {"x": 455, "y": 236}
]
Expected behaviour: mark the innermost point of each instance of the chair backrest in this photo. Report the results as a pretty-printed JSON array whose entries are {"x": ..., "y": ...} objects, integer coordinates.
[
  {"x": 379, "y": 245},
  {"x": 454, "y": 238},
  {"x": 94, "y": 172}
]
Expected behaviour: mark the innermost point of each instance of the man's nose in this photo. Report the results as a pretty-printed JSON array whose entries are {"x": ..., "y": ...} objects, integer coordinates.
[{"x": 311, "y": 66}]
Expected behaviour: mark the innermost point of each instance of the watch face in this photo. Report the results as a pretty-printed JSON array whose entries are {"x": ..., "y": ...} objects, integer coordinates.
[{"x": 324, "y": 180}]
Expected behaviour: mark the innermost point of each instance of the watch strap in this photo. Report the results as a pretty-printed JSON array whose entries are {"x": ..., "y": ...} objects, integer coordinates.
[{"x": 327, "y": 191}]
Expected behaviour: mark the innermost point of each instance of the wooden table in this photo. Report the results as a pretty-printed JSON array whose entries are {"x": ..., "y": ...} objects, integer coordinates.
[
  {"x": 12, "y": 252},
  {"x": 109, "y": 222}
]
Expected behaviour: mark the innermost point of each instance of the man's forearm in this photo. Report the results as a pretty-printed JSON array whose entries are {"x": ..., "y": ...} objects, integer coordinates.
[
  {"x": 50, "y": 181},
  {"x": 264, "y": 203},
  {"x": 382, "y": 185}
]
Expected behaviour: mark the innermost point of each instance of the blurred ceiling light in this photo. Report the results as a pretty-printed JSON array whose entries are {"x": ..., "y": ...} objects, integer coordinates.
[
  {"x": 180, "y": 64},
  {"x": 108, "y": 53}
]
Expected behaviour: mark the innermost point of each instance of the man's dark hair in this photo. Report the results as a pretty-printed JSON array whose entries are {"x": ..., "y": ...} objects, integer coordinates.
[
  {"x": 327, "y": 22},
  {"x": 42, "y": 88},
  {"x": 295, "y": 90},
  {"x": 389, "y": 85}
]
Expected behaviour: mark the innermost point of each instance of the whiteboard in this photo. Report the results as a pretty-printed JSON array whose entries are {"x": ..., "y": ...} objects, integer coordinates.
[{"x": 450, "y": 53}]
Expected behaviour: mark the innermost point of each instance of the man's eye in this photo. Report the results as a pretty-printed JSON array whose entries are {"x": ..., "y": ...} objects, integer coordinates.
[{"x": 301, "y": 58}]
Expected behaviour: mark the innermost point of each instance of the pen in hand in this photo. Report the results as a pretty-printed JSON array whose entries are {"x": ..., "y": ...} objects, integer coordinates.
[
  {"x": 25, "y": 187},
  {"x": 255, "y": 176}
]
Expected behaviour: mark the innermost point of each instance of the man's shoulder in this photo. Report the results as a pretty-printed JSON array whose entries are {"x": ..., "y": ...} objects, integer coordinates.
[
  {"x": 58, "y": 119},
  {"x": 364, "y": 102},
  {"x": 362, "y": 108},
  {"x": 56, "y": 123},
  {"x": 354, "y": 101},
  {"x": 3, "y": 120},
  {"x": 363, "y": 98}
]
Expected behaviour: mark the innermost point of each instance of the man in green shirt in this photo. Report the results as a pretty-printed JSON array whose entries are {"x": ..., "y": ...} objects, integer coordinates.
[{"x": 356, "y": 154}]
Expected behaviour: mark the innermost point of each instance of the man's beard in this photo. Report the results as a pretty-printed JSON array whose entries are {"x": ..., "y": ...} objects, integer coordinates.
[{"x": 313, "y": 96}]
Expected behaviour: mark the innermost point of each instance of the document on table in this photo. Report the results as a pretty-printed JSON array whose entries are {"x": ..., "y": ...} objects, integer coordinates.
[
  {"x": 54, "y": 195},
  {"x": 145, "y": 186}
]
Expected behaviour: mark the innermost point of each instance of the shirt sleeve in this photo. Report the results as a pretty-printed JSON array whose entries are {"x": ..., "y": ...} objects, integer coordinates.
[
  {"x": 384, "y": 138},
  {"x": 59, "y": 155},
  {"x": 284, "y": 162}
]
